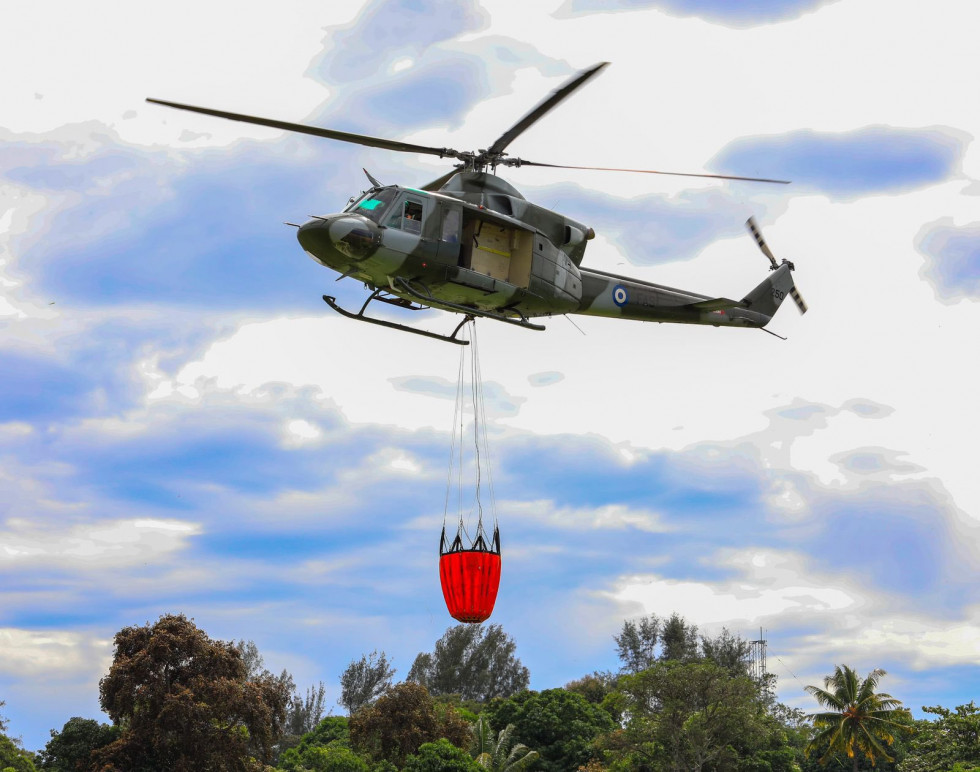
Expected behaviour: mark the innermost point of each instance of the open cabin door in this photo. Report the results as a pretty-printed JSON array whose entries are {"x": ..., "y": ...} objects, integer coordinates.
[{"x": 496, "y": 250}]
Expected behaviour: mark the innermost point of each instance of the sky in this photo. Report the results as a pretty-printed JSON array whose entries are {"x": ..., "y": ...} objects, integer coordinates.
[{"x": 186, "y": 428}]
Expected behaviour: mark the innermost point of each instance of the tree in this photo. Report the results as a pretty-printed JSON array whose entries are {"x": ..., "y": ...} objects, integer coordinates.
[
  {"x": 303, "y": 713},
  {"x": 473, "y": 661},
  {"x": 637, "y": 643},
  {"x": 14, "y": 758},
  {"x": 306, "y": 713},
  {"x": 334, "y": 757},
  {"x": 441, "y": 756},
  {"x": 859, "y": 720},
  {"x": 401, "y": 720},
  {"x": 950, "y": 740},
  {"x": 730, "y": 652},
  {"x": 499, "y": 754},
  {"x": 690, "y": 716},
  {"x": 364, "y": 681},
  {"x": 185, "y": 702},
  {"x": 558, "y": 724},
  {"x": 331, "y": 731},
  {"x": 643, "y": 642},
  {"x": 70, "y": 750},
  {"x": 678, "y": 639},
  {"x": 595, "y": 687}
]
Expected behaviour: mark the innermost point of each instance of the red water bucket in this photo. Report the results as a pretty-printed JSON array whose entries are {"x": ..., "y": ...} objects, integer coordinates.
[{"x": 470, "y": 578}]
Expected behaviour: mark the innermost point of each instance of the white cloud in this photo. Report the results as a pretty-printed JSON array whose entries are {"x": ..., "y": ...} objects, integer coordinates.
[
  {"x": 97, "y": 545},
  {"x": 812, "y": 618},
  {"x": 51, "y": 653},
  {"x": 607, "y": 516},
  {"x": 299, "y": 432}
]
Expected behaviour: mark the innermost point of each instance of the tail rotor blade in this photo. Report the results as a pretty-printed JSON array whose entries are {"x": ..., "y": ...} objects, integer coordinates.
[
  {"x": 761, "y": 241},
  {"x": 798, "y": 299}
]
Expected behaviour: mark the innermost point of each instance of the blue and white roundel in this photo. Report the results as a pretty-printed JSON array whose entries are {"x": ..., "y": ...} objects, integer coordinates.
[{"x": 620, "y": 296}]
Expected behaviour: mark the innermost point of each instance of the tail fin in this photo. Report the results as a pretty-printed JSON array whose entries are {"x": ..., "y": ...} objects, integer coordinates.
[{"x": 767, "y": 297}]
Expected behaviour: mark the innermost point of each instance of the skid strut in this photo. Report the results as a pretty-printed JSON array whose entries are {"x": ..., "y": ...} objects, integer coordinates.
[{"x": 376, "y": 295}]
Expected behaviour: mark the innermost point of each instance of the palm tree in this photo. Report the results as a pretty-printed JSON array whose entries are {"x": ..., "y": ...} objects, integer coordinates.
[
  {"x": 858, "y": 719},
  {"x": 499, "y": 756}
]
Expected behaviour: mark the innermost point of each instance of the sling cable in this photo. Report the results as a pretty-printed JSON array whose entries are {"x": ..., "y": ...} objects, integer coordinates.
[{"x": 469, "y": 565}]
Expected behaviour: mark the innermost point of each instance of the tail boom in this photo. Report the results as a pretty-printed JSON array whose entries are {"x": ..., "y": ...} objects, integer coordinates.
[{"x": 608, "y": 294}]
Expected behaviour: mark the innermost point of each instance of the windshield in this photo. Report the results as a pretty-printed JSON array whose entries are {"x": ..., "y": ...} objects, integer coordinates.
[{"x": 376, "y": 204}]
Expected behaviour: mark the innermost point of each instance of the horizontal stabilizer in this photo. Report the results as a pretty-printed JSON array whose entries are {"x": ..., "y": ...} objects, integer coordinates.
[{"x": 715, "y": 304}]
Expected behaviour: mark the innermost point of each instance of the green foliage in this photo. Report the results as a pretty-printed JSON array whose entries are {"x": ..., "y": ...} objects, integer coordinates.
[
  {"x": 473, "y": 661},
  {"x": 14, "y": 758},
  {"x": 649, "y": 640},
  {"x": 185, "y": 702},
  {"x": 304, "y": 711},
  {"x": 950, "y": 741},
  {"x": 467, "y": 709},
  {"x": 331, "y": 731},
  {"x": 595, "y": 687},
  {"x": 364, "y": 681},
  {"x": 695, "y": 715},
  {"x": 334, "y": 757},
  {"x": 637, "y": 643},
  {"x": 678, "y": 639},
  {"x": 401, "y": 721},
  {"x": 558, "y": 724},
  {"x": 440, "y": 756},
  {"x": 70, "y": 750},
  {"x": 500, "y": 753},
  {"x": 859, "y": 722},
  {"x": 729, "y": 652}
]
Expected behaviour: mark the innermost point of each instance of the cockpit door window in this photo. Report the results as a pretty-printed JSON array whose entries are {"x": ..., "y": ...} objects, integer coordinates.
[{"x": 412, "y": 216}]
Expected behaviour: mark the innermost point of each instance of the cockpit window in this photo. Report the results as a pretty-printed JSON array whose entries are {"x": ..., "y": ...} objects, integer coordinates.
[
  {"x": 413, "y": 217},
  {"x": 375, "y": 205},
  {"x": 407, "y": 216}
]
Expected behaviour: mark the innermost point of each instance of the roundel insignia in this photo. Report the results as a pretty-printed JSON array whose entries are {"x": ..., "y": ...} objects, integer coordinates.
[{"x": 619, "y": 295}]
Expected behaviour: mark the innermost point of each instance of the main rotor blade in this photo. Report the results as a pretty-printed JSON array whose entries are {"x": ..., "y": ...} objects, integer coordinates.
[
  {"x": 342, "y": 136},
  {"x": 522, "y": 162},
  {"x": 556, "y": 96}
]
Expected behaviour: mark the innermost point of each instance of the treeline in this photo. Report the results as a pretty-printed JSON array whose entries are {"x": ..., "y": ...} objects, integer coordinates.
[{"x": 681, "y": 701}]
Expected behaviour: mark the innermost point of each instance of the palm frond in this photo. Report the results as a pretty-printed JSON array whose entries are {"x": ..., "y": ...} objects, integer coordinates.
[
  {"x": 870, "y": 683},
  {"x": 827, "y": 699},
  {"x": 520, "y": 756},
  {"x": 871, "y": 746}
]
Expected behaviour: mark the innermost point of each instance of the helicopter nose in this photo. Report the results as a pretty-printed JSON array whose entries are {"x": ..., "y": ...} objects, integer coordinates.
[{"x": 356, "y": 238}]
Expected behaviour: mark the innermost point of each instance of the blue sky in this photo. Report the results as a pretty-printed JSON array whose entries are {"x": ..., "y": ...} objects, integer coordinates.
[{"x": 184, "y": 427}]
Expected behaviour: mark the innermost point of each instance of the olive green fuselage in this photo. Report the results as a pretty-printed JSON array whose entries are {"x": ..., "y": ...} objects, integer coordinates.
[{"x": 477, "y": 243}]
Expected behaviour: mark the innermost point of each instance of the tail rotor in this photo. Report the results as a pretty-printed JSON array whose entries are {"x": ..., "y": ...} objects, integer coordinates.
[{"x": 757, "y": 234}]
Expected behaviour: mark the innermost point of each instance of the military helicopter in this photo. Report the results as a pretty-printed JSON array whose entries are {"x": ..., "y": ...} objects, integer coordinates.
[{"x": 470, "y": 243}]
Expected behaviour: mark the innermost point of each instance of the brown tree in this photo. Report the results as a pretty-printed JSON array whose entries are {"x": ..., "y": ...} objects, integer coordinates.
[
  {"x": 402, "y": 720},
  {"x": 185, "y": 702}
]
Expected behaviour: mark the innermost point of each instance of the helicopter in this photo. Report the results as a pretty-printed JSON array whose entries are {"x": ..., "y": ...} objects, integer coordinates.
[{"x": 470, "y": 243}]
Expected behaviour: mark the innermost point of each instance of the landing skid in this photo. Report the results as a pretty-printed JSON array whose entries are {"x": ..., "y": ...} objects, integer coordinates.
[
  {"x": 377, "y": 295},
  {"x": 431, "y": 301}
]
